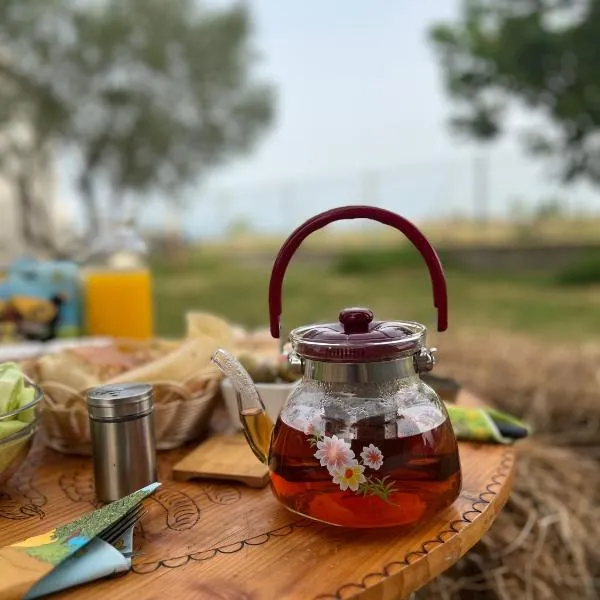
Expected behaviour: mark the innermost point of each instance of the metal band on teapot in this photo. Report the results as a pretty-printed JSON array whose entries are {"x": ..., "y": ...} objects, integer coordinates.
[{"x": 370, "y": 372}]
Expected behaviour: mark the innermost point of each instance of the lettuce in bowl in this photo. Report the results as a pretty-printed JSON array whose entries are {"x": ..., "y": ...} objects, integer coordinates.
[{"x": 19, "y": 403}]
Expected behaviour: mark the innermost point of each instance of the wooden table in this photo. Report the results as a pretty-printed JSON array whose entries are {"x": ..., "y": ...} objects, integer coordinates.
[{"x": 202, "y": 540}]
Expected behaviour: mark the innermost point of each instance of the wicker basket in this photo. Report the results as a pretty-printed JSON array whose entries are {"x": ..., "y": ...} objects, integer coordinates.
[{"x": 181, "y": 414}]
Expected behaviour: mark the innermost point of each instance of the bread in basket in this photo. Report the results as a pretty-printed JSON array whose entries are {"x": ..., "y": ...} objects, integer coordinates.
[{"x": 186, "y": 384}]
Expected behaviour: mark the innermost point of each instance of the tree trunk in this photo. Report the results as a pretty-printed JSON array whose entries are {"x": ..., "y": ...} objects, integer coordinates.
[
  {"x": 35, "y": 219},
  {"x": 90, "y": 205},
  {"x": 33, "y": 187}
]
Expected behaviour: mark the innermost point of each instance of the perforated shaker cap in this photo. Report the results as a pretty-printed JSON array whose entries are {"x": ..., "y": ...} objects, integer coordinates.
[{"x": 119, "y": 401}]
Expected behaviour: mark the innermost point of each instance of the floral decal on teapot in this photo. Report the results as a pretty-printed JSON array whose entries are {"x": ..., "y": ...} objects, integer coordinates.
[{"x": 345, "y": 469}]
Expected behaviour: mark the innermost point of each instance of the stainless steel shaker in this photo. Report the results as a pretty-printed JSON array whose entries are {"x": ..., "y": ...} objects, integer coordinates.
[{"x": 122, "y": 432}]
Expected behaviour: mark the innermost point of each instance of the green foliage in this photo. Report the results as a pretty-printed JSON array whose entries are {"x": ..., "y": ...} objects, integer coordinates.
[
  {"x": 313, "y": 293},
  {"x": 200, "y": 263},
  {"x": 377, "y": 487},
  {"x": 583, "y": 272},
  {"x": 542, "y": 53},
  {"x": 377, "y": 260},
  {"x": 313, "y": 439},
  {"x": 149, "y": 95},
  {"x": 240, "y": 226},
  {"x": 551, "y": 208}
]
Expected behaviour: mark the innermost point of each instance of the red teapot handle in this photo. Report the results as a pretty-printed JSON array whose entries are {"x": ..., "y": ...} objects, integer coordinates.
[{"x": 436, "y": 272}]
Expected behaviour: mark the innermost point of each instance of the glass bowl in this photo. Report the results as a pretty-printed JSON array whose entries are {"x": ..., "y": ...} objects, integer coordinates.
[
  {"x": 17, "y": 430},
  {"x": 273, "y": 396}
]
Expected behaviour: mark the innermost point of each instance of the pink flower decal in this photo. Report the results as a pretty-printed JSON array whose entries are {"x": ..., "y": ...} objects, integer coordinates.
[
  {"x": 372, "y": 457},
  {"x": 349, "y": 477},
  {"x": 334, "y": 453},
  {"x": 348, "y": 473}
]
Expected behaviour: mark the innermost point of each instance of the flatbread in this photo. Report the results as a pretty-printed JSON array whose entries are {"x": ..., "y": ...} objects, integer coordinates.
[
  {"x": 204, "y": 325},
  {"x": 183, "y": 365},
  {"x": 180, "y": 366},
  {"x": 67, "y": 370}
]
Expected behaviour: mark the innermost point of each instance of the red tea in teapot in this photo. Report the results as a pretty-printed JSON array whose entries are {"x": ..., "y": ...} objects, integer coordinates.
[{"x": 364, "y": 482}]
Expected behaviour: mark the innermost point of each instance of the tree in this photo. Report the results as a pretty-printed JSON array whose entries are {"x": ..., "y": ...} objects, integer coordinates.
[
  {"x": 147, "y": 96},
  {"x": 541, "y": 54}
]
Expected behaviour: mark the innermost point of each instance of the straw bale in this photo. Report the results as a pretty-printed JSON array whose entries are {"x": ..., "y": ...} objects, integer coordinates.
[
  {"x": 555, "y": 387},
  {"x": 544, "y": 545}
]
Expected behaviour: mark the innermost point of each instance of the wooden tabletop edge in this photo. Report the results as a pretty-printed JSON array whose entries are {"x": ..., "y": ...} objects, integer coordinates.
[{"x": 447, "y": 541}]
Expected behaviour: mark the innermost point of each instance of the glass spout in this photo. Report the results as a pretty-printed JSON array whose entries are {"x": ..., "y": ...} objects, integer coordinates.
[{"x": 257, "y": 424}]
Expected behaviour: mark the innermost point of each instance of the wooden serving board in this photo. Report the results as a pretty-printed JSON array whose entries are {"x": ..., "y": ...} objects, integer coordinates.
[
  {"x": 211, "y": 539},
  {"x": 223, "y": 457}
]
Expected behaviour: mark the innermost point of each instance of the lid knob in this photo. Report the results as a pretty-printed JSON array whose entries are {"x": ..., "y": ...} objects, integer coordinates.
[{"x": 356, "y": 320}]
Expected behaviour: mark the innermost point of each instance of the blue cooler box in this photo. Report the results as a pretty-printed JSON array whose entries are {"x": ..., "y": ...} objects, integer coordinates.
[{"x": 40, "y": 300}]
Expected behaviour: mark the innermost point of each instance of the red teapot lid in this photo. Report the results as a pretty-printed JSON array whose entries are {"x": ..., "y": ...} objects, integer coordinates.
[{"x": 357, "y": 338}]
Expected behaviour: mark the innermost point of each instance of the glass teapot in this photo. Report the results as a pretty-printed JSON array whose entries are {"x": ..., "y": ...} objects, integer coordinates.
[{"x": 361, "y": 441}]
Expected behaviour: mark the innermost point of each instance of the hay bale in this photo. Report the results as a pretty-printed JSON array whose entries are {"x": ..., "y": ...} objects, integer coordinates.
[
  {"x": 556, "y": 388},
  {"x": 544, "y": 545}
]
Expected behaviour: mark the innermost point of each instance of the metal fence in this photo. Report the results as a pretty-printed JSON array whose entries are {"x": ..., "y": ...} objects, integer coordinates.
[{"x": 479, "y": 187}]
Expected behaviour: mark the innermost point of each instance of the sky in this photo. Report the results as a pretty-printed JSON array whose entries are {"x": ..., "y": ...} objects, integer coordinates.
[{"x": 362, "y": 116}]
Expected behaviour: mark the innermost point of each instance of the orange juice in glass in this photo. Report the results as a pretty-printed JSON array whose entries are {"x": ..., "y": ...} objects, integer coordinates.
[
  {"x": 118, "y": 303},
  {"x": 118, "y": 289}
]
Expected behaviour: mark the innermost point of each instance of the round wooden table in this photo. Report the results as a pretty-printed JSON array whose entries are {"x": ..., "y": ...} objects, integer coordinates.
[{"x": 216, "y": 540}]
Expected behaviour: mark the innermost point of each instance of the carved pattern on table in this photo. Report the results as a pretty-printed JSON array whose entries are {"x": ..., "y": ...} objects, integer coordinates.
[
  {"x": 476, "y": 508},
  {"x": 258, "y": 540},
  {"x": 467, "y": 517},
  {"x": 20, "y": 499}
]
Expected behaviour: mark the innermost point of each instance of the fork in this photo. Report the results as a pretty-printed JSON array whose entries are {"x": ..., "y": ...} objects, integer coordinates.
[{"x": 112, "y": 533}]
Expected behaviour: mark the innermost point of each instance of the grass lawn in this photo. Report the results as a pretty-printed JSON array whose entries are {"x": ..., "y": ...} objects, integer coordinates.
[{"x": 530, "y": 304}]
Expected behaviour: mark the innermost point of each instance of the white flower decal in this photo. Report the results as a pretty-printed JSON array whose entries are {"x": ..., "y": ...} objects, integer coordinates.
[
  {"x": 334, "y": 453},
  {"x": 349, "y": 477},
  {"x": 348, "y": 473},
  {"x": 372, "y": 457}
]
